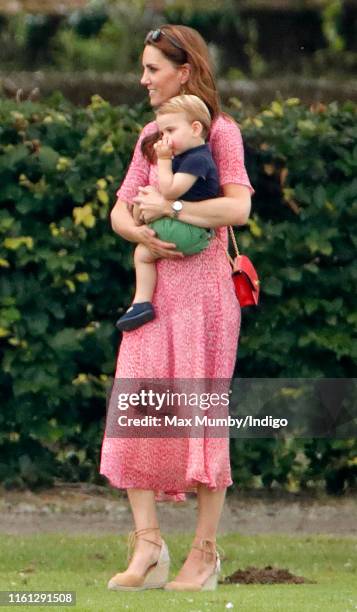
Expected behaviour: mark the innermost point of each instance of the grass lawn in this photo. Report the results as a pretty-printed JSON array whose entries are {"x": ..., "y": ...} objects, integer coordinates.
[{"x": 84, "y": 564}]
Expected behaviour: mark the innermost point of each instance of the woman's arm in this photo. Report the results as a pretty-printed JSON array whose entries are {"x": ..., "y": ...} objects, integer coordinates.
[
  {"x": 231, "y": 209},
  {"x": 124, "y": 225}
]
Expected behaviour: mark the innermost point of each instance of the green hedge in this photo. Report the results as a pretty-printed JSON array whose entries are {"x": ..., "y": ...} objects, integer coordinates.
[
  {"x": 66, "y": 277},
  {"x": 302, "y": 235}
]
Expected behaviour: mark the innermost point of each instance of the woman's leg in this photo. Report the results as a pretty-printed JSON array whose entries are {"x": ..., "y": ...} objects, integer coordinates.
[
  {"x": 143, "y": 508},
  {"x": 198, "y": 566},
  {"x": 210, "y": 506}
]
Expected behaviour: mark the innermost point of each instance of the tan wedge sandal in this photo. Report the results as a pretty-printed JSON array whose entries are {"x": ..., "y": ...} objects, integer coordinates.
[
  {"x": 155, "y": 576},
  {"x": 210, "y": 584}
]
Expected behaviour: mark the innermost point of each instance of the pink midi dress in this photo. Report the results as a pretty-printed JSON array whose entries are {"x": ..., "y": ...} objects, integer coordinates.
[{"x": 194, "y": 335}]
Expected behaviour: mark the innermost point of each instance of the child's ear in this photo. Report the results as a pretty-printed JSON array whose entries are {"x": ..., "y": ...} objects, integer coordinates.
[{"x": 197, "y": 128}]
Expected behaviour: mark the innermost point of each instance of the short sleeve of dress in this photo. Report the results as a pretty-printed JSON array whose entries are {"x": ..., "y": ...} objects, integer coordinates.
[
  {"x": 228, "y": 153},
  {"x": 138, "y": 172}
]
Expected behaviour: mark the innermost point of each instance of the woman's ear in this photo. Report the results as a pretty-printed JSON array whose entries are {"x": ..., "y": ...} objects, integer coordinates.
[{"x": 185, "y": 73}]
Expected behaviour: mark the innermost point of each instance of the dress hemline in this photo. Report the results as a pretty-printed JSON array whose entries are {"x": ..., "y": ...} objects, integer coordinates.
[{"x": 166, "y": 494}]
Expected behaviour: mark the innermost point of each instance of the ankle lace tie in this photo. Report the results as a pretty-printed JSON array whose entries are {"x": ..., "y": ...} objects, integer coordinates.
[
  {"x": 133, "y": 535},
  {"x": 205, "y": 546}
]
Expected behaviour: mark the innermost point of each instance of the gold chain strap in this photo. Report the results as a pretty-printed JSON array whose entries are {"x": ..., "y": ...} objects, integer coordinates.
[
  {"x": 235, "y": 246},
  {"x": 233, "y": 238}
]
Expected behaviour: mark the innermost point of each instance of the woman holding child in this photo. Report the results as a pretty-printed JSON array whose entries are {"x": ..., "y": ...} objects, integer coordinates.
[{"x": 185, "y": 319}]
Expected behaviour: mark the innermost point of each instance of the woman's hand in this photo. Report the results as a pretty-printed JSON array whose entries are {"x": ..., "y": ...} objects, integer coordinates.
[
  {"x": 159, "y": 248},
  {"x": 151, "y": 204},
  {"x": 154, "y": 206}
]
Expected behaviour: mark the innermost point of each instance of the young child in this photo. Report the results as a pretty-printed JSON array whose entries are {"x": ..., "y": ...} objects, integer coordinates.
[{"x": 185, "y": 170}]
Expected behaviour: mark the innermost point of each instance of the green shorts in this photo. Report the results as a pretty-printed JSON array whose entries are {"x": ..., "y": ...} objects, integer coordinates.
[{"x": 189, "y": 239}]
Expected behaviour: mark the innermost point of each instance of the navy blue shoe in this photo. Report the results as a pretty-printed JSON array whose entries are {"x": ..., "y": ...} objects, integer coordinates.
[{"x": 135, "y": 316}]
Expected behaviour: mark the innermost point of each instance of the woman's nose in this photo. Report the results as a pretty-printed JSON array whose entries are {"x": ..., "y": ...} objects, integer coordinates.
[{"x": 144, "y": 79}]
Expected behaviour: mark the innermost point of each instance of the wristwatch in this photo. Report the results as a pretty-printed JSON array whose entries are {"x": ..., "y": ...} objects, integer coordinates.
[{"x": 176, "y": 206}]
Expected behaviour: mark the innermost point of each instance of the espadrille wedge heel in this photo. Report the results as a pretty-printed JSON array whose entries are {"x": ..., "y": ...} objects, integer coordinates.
[
  {"x": 210, "y": 583},
  {"x": 155, "y": 576}
]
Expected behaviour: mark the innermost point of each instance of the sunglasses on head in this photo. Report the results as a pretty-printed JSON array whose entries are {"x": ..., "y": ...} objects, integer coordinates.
[{"x": 155, "y": 35}]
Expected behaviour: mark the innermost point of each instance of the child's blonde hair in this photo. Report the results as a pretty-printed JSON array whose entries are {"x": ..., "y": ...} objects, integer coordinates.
[{"x": 193, "y": 107}]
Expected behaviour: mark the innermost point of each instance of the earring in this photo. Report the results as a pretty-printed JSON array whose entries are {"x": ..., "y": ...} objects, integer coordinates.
[{"x": 182, "y": 90}]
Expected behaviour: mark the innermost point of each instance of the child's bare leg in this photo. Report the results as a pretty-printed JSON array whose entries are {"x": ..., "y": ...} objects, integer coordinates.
[
  {"x": 145, "y": 270},
  {"x": 141, "y": 311}
]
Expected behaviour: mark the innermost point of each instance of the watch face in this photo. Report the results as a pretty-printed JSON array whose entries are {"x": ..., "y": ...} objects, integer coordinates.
[{"x": 177, "y": 206}]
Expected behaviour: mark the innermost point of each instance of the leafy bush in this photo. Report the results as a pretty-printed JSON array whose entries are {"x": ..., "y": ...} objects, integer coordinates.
[
  {"x": 66, "y": 276},
  {"x": 302, "y": 236}
]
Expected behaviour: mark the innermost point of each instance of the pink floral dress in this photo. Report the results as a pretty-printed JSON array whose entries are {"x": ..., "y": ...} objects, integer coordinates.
[{"x": 194, "y": 335}]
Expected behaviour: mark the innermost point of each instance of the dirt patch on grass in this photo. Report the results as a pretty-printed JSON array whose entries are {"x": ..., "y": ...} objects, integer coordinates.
[{"x": 265, "y": 575}]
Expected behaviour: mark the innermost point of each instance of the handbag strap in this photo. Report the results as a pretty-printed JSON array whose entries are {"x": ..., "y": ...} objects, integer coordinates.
[
  {"x": 235, "y": 246},
  {"x": 233, "y": 238}
]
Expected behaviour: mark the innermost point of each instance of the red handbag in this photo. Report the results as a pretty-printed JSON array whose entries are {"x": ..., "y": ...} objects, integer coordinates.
[{"x": 244, "y": 275}]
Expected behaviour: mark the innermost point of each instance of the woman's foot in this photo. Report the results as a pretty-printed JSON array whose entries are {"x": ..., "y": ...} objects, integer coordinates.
[
  {"x": 149, "y": 564},
  {"x": 200, "y": 570},
  {"x": 146, "y": 553}
]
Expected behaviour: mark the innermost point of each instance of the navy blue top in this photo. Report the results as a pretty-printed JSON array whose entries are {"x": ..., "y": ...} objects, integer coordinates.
[{"x": 199, "y": 162}]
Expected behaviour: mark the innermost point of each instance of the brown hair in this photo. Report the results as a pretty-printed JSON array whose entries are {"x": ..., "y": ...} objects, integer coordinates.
[
  {"x": 193, "y": 108},
  {"x": 193, "y": 50}
]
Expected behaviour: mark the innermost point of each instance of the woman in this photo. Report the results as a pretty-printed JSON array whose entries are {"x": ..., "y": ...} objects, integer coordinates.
[{"x": 195, "y": 333}]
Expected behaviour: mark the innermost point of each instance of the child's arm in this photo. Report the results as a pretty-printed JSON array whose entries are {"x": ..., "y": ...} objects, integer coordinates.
[{"x": 172, "y": 186}]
